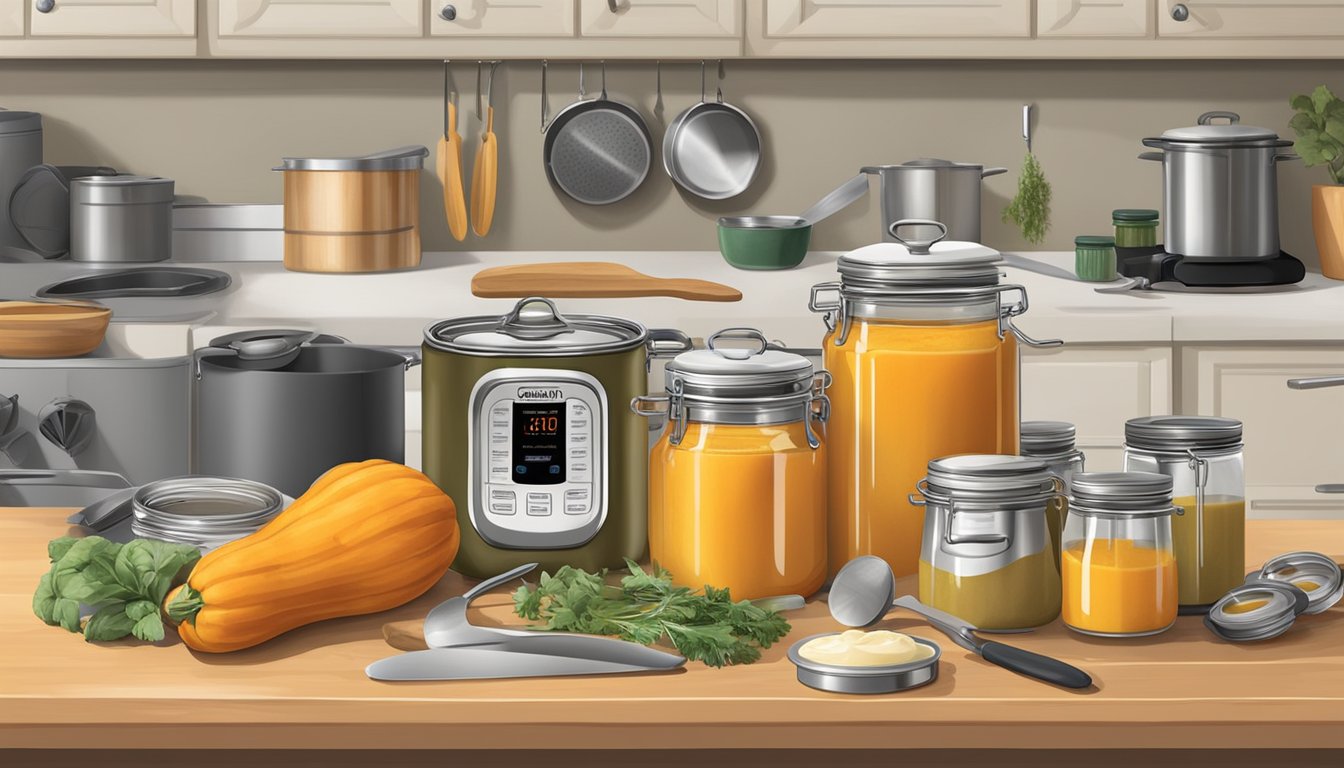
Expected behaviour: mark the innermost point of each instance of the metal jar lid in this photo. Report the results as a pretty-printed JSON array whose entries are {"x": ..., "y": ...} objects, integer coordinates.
[
  {"x": 411, "y": 158},
  {"x": 1134, "y": 215},
  {"x": 120, "y": 190},
  {"x": 721, "y": 371},
  {"x": 1182, "y": 433},
  {"x": 1257, "y": 610},
  {"x": 203, "y": 511},
  {"x": 1135, "y": 494},
  {"x": 1047, "y": 438},
  {"x": 989, "y": 477},
  {"x": 535, "y": 328},
  {"x": 910, "y": 264},
  {"x": 1315, "y": 574},
  {"x": 19, "y": 122}
]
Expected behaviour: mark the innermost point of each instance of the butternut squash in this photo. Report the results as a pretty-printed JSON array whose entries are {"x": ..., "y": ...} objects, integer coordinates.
[{"x": 366, "y": 537}]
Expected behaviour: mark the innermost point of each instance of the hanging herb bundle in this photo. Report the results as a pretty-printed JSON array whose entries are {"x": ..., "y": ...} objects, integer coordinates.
[{"x": 1030, "y": 208}]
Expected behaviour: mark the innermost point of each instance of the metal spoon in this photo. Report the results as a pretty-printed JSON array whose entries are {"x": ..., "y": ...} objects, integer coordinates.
[{"x": 861, "y": 596}]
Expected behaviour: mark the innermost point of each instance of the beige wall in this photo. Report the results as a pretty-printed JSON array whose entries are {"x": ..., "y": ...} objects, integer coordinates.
[{"x": 218, "y": 127}]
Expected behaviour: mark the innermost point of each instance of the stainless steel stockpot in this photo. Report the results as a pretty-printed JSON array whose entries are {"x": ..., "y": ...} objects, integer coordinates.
[
  {"x": 121, "y": 218},
  {"x": 928, "y": 188},
  {"x": 1220, "y": 189}
]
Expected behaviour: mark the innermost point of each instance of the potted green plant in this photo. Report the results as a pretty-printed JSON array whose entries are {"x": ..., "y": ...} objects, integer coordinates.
[{"x": 1319, "y": 124}]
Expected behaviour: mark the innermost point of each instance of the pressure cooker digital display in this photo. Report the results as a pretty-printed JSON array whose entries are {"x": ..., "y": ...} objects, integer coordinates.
[{"x": 538, "y": 443}]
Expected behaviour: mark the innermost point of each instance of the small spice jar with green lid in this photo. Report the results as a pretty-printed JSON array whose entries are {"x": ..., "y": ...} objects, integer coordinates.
[
  {"x": 1135, "y": 227},
  {"x": 1094, "y": 258}
]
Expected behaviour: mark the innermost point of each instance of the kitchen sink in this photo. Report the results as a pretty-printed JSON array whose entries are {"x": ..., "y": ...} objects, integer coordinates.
[{"x": 143, "y": 282}]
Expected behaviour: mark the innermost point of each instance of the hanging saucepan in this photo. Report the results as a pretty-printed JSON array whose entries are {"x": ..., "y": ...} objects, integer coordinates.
[
  {"x": 597, "y": 151},
  {"x": 712, "y": 149}
]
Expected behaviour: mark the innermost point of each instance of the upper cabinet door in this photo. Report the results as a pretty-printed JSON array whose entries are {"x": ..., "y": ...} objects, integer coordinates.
[
  {"x": 838, "y": 19},
  {"x": 661, "y": 18},
  {"x": 320, "y": 18},
  {"x": 113, "y": 18},
  {"x": 1251, "y": 18},
  {"x": 502, "y": 18},
  {"x": 11, "y": 18},
  {"x": 1094, "y": 18}
]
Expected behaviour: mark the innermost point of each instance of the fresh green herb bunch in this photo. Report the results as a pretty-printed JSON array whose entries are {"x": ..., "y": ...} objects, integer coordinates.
[
  {"x": 645, "y": 607},
  {"x": 1030, "y": 208},
  {"x": 1319, "y": 123},
  {"x": 124, "y": 583}
]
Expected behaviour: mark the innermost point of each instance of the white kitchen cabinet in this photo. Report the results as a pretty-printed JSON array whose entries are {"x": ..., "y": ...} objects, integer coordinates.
[
  {"x": 845, "y": 19},
  {"x": 1294, "y": 438},
  {"x": 113, "y": 18},
  {"x": 1097, "y": 389},
  {"x": 11, "y": 18},
  {"x": 502, "y": 18},
  {"x": 1094, "y": 18},
  {"x": 660, "y": 18},
  {"x": 322, "y": 18},
  {"x": 1215, "y": 19}
]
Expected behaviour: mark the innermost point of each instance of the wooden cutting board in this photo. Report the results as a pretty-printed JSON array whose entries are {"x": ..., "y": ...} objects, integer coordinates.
[{"x": 591, "y": 280}]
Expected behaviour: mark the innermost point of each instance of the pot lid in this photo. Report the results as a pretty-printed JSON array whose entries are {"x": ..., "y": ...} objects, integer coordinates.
[
  {"x": 535, "y": 328},
  {"x": 922, "y": 263},
  {"x": 120, "y": 190},
  {"x": 1256, "y": 610},
  {"x": 983, "y": 474},
  {"x": 19, "y": 122},
  {"x": 925, "y": 162},
  {"x": 722, "y": 370},
  {"x": 1316, "y": 574},
  {"x": 1094, "y": 241},
  {"x": 410, "y": 158},
  {"x": 1131, "y": 493},
  {"x": 1182, "y": 433},
  {"x": 1047, "y": 438},
  {"x": 1209, "y": 132}
]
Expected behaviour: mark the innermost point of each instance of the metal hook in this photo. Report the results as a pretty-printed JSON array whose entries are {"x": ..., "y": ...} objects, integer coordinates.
[
  {"x": 604, "y": 79},
  {"x": 490, "y": 87},
  {"x": 544, "y": 114},
  {"x": 658, "y": 102},
  {"x": 582, "y": 91},
  {"x": 447, "y": 96},
  {"x": 702, "y": 81},
  {"x": 1026, "y": 126},
  {"x": 478, "y": 89},
  {"x": 718, "y": 80}
]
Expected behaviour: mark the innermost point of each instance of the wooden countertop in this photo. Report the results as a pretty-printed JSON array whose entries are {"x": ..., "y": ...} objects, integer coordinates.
[{"x": 308, "y": 689}]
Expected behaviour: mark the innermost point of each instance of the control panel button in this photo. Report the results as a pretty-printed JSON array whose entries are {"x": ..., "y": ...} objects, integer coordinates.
[
  {"x": 578, "y": 501},
  {"x": 539, "y": 504},
  {"x": 581, "y": 471},
  {"x": 503, "y": 502}
]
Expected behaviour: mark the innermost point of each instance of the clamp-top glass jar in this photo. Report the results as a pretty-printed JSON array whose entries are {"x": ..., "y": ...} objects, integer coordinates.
[
  {"x": 921, "y": 344},
  {"x": 1054, "y": 442},
  {"x": 986, "y": 555},
  {"x": 737, "y": 480},
  {"x": 1203, "y": 457}
]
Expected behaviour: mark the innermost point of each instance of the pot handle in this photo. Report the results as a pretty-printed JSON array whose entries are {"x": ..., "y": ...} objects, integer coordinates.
[
  {"x": 1209, "y": 117},
  {"x": 918, "y": 247},
  {"x": 410, "y": 354},
  {"x": 1279, "y": 158},
  {"x": 1158, "y": 156},
  {"x": 649, "y": 405},
  {"x": 992, "y": 172},
  {"x": 666, "y": 342}
]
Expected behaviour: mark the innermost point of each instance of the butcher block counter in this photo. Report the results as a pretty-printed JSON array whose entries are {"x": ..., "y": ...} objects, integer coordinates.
[{"x": 307, "y": 690}]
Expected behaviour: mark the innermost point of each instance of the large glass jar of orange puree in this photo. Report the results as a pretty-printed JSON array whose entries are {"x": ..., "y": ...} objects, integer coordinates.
[
  {"x": 737, "y": 479},
  {"x": 1118, "y": 566},
  {"x": 1203, "y": 457},
  {"x": 924, "y": 359}
]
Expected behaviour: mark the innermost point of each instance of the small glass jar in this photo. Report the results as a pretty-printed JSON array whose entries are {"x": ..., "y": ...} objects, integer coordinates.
[
  {"x": 1118, "y": 566},
  {"x": 1094, "y": 258},
  {"x": 737, "y": 479},
  {"x": 1203, "y": 457},
  {"x": 986, "y": 555},
  {"x": 1135, "y": 227},
  {"x": 1054, "y": 442},
  {"x": 203, "y": 511}
]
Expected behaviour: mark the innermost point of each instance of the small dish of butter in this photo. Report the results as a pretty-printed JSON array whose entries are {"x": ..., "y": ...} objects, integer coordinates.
[{"x": 855, "y": 661}]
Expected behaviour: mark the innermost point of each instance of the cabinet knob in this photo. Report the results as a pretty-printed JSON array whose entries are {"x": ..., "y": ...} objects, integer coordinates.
[
  {"x": 613, "y": 6},
  {"x": 46, "y": 6},
  {"x": 448, "y": 13},
  {"x": 1180, "y": 12}
]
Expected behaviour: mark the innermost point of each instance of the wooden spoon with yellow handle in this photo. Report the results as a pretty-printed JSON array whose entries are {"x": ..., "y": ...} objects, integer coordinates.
[
  {"x": 485, "y": 173},
  {"x": 450, "y": 167}
]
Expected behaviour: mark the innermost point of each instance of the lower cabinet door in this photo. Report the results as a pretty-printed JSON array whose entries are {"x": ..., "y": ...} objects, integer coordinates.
[
  {"x": 1097, "y": 388},
  {"x": 323, "y": 18},
  {"x": 113, "y": 18}
]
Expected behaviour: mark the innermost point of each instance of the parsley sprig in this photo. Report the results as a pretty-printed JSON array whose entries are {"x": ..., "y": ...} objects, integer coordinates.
[{"x": 704, "y": 626}]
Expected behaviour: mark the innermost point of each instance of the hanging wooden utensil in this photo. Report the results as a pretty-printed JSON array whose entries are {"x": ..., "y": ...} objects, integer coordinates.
[
  {"x": 485, "y": 173},
  {"x": 450, "y": 165},
  {"x": 591, "y": 280}
]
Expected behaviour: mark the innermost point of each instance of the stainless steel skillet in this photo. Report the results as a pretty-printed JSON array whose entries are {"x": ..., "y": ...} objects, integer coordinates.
[
  {"x": 712, "y": 149},
  {"x": 596, "y": 151}
]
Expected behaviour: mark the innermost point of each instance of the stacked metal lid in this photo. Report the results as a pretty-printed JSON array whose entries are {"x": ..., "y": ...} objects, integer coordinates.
[
  {"x": 720, "y": 371},
  {"x": 1232, "y": 133},
  {"x": 1182, "y": 433},
  {"x": 1047, "y": 438},
  {"x": 989, "y": 477},
  {"x": 1270, "y": 601},
  {"x": 910, "y": 265},
  {"x": 1128, "y": 494},
  {"x": 203, "y": 511},
  {"x": 535, "y": 328}
]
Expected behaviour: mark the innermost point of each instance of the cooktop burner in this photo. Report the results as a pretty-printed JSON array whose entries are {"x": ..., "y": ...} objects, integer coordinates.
[{"x": 1158, "y": 266}]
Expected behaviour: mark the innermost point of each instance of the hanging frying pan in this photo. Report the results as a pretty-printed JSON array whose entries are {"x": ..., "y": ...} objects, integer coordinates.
[
  {"x": 712, "y": 150},
  {"x": 596, "y": 151}
]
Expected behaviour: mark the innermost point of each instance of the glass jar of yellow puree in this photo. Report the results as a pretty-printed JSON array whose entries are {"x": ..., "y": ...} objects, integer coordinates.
[
  {"x": 737, "y": 479},
  {"x": 923, "y": 353},
  {"x": 1118, "y": 567},
  {"x": 1054, "y": 442},
  {"x": 986, "y": 555},
  {"x": 1203, "y": 457}
]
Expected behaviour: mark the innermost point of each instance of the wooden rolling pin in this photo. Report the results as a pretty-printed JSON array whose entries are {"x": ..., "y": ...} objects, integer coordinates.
[{"x": 591, "y": 280}]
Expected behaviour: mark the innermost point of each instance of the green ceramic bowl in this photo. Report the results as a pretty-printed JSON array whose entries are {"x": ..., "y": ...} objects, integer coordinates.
[{"x": 764, "y": 242}]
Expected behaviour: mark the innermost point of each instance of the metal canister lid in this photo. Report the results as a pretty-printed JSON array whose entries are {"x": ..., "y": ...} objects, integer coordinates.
[
  {"x": 989, "y": 475},
  {"x": 1047, "y": 438},
  {"x": 919, "y": 264},
  {"x": 120, "y": 190},
  {"x": 1134, "y": 215},
  {"x": 535, "y": 328},
  {"x": 203, "y": 511},
  {"x": 410, "y": 158},
  {"x": 1182, "y": 433},
  {"x": 1138, "y": 494},
  {"x": 736, "y": 372},
  {"x": 1257, "y": 610},
  {"x": 1315, "y": 574},
  {"x": 19, "y": 122}
]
